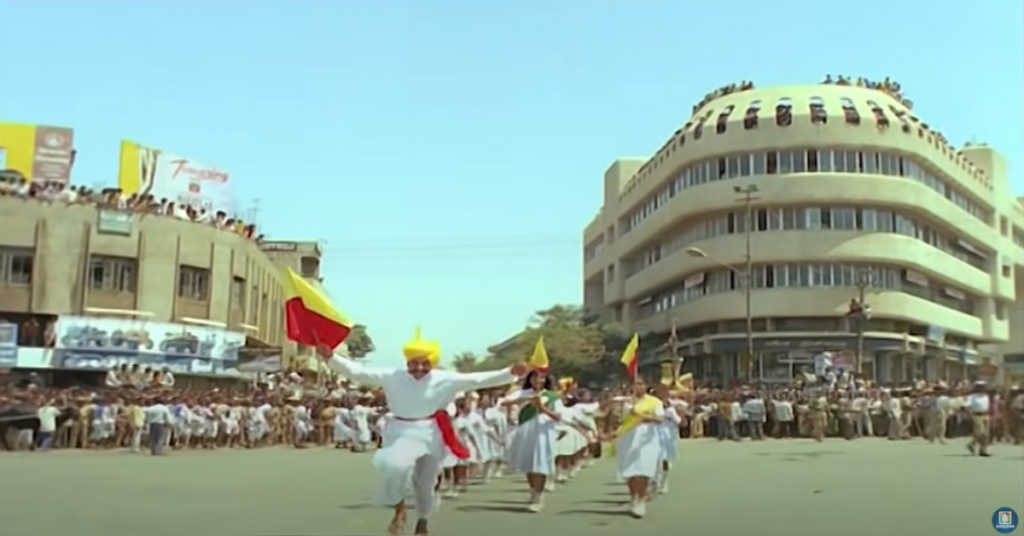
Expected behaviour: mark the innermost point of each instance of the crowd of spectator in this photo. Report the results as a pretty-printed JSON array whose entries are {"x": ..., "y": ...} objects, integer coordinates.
[
  {"x": 727, "y": 89},
  {"x": 14, "y": 184},
  {"x": 887, "y": 86}
]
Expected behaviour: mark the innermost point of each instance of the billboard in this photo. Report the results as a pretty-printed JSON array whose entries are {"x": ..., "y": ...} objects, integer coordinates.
[
  {"x": 164, "y": 175},
  {"x": 8, "y": 345},
  {"x": 100, "y": 343},
  {"x": 37, "y": 152}
]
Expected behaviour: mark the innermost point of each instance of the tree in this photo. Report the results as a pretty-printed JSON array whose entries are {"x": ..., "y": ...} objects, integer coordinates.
[
  {"x": 465, "y": 362},
  {"x": 578, "y": 345},
  {"x": 359, "y": 342}
]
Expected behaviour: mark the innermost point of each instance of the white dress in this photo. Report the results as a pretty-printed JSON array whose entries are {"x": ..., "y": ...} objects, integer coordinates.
[
  {"x": 531, "y": 449},
  {"x": 638, "y": 452},
  {"x": 342, "y": 430},
  {"x": 482, "y": 437},
  {"x": 571, "y": 440},
  {"x": 495, "y": 435},
  {"x": 669, "y": 433},
  {"x": 586, "y": 413}
]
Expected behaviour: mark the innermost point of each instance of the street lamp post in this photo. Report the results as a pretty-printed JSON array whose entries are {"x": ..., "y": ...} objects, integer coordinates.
[
  {"x": 863, "y": 283},
  {"x": 748, "y": 194}
]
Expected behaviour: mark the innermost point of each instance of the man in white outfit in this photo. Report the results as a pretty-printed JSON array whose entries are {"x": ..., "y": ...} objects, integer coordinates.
[{"x": 421, "y": 430}]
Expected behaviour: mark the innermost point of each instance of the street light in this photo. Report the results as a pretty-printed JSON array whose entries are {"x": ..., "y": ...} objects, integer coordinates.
[
  {"x": 749, "y": 196},
  {"x": 864, "y": 277}
]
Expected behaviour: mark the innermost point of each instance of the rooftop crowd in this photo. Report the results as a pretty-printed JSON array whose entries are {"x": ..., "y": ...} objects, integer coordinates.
[
  {"x": 887, "y": 86},
  {"x": 14, "y": 184}
]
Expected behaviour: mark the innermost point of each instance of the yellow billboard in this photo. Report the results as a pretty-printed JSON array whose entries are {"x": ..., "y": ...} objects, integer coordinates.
[
  {"x": 37, "y": 152},
  {"x": 175, "y": 178}
]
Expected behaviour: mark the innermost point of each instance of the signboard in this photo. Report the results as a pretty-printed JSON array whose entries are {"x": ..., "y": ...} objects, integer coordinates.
[
  {"x": 8, "y": 345},
  {"x": 114, "y": 222},
  {"x": 41, "y": 153},
  {"x": 279, "y": 246},
  {"x": 145, "y": 170},
  {"x": 88, "y": 342},
  {"x": 254, "y": 364}
]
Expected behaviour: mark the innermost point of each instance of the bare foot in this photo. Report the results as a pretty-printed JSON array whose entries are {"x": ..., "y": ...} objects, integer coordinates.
[
  {"x": 421, "y": 528},
  {"x": 397, "y": 526}
]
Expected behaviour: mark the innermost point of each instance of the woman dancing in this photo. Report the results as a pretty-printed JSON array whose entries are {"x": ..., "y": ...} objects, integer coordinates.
[
  {"x": 638, "y": 446},
  {"x": 531, "y": 450}
]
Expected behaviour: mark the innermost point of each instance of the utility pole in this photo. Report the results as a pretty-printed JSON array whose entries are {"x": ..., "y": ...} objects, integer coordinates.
[
  {"x": 673, "y": 344},
  {"x": 254, "y": 212},
  {"x": 748, "y": 194},
  {"x": 864, "y": 276}
]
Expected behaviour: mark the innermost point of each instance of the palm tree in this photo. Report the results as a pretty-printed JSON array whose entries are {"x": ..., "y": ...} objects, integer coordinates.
[{"x": 465, "y": 362}]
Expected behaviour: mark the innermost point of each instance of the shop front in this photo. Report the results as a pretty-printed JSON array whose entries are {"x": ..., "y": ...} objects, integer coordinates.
[{"x": 723, "y": 359}]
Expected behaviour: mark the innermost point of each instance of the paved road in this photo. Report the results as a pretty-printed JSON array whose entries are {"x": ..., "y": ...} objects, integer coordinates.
[{"x": 795, "y": 488}]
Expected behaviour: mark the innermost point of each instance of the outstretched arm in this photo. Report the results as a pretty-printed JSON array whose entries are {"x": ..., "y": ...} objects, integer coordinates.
[
  {"x": 373, "y": 376},
  {"x": 483, "y": 380}
]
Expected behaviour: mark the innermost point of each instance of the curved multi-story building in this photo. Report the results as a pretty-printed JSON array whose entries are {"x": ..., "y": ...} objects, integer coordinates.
[
  {"x": 79, "y": 278},
  {"x": 824, "y": 194}
]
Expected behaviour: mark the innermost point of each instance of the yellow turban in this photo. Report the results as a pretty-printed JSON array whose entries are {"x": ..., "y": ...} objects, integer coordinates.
[
  {"x": 566, "y": 383},
  {"x": 417, "y": 348}
]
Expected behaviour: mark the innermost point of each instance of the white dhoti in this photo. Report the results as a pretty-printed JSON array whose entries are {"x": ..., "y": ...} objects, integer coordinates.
[{"x": 413, "y": 455}]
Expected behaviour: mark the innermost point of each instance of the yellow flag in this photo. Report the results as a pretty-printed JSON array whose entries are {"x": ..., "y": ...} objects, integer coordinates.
[
  {"x": 539, "y": 359},
  {"x": 629, "y": 356}
]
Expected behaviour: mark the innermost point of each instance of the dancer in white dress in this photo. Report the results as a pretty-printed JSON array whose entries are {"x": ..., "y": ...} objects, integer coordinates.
[
  {"x": 669, "y": 435},
  {"x": 494, "y": 436},
  {"x": 421, "y": 429},
  {"x": 638, "y": 446},
  {"x": 572, "y": 440},
  {"x": 588, "y": 410},
  {"x": 456, "y": 469},
  {"x": 531, "y": 450}
]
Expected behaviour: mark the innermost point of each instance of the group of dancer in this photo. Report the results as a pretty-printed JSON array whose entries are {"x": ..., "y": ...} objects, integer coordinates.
[{"x": 439, "y": 431}]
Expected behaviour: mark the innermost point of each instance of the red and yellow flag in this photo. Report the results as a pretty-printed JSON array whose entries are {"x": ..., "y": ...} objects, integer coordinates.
[
  {"x": 310, "y": 318},
  {"x": 630, "y": 357}
]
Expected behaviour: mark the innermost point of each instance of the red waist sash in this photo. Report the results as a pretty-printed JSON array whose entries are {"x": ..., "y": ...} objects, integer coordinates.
[{"x": 444, "y": 424}]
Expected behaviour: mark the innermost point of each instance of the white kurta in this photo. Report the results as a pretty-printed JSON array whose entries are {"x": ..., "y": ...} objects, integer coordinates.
[
  {"x": 532, "y": 446},
  {"x": 638, "y": 452},
  {"x": 415, "y": 450}
]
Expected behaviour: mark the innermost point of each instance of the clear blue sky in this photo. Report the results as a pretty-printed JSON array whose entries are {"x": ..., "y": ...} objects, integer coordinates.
[{"x": 450, "y": 153}]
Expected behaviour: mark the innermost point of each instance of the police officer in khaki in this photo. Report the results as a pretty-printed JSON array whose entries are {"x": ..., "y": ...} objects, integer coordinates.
[
  {"x": 979, "y": 405},
  {"x": 937, "y": 412},
  {"x": 818, "y": 416}
]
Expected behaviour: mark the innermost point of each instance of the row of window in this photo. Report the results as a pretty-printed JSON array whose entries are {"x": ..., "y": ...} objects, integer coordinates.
[
  {"x": 120, "y": 275},
  {"x": 802, "y": 161},
  {"x": 808, "y": 218},
  {"x": 115, "y": 274},
  {"x": 807, "y": 275},
  {"x": 784, "y": 115},
  {"x": 16, "y": 267},
  {"x": 112, "y": 274}
]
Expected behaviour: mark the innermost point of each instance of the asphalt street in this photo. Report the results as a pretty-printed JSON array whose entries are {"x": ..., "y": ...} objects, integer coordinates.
[{"x": 791, "y": 488}]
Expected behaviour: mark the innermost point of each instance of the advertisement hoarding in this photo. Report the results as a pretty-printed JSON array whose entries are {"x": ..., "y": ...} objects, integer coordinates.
[
  {"x": 8, "y": 345},
  {"x": 102, "y": 343},
  {"x": 38, "y": 152},
  {"x": 144, "y": 170}
]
